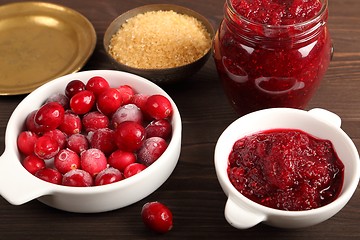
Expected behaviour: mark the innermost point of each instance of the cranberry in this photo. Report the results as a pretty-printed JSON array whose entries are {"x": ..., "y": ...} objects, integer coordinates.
[
  {"x": 103, "y": 139},
  {"x": 151, "y": 150},
  {"x": 126, "y": 93},
  {"x": 32, "y": 163},
  {"x": 158, "y": 107},
  {"x": 109, "y": 101},
  {"x": 77, "y": 178},
  {"x": 74, "y": 87},
  {"x": 139, "y": 100},
  {"x": 77, "y": 143},
  {"x": 66, "y": 160},
  {"x": 93, "y": 161},
  {"x": 58, "y": 135},
  {"x": 71, "y": 124},
  {"x": 31, "y": 125},
  {"x": 128, "y": 112},
  {"x": 60, "y": 98},
  {"x": 120, "y": 159},
  {"x": 82, "y": 102},
  {"x": 107, "y": 176},
  {"x": 26, "y": 141},
  {"x": 133, "y": 168},
  {"x": 50, "y": 115},
  {"x": 94, "y": 120},
  {"x": 157, "y": 217},
  {"x": 129, "y": 136},
  {"x": 159, "y": 128},
  {"x": 49, "y": 175},
  {"x": 97, "y": 85},
  {"x": 46, "y": 147}
]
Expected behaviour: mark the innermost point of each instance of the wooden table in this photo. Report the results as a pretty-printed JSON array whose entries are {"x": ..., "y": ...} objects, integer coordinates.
[{"x": 193, "y": 192}]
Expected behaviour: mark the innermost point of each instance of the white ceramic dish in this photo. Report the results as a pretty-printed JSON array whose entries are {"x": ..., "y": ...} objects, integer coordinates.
[
  {"x": 243, "y": 213},
  {"x": 18, "y": 186}
]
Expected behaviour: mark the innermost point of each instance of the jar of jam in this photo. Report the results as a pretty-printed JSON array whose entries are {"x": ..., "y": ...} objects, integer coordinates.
[{"x": 272, "y": 53}]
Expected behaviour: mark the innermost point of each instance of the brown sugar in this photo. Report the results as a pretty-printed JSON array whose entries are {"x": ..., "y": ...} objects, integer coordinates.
[{"x": 160, "y": 39}]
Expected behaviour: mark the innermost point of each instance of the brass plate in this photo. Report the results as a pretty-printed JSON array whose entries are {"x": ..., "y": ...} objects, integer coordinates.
[{"x": 40, "y": 42}]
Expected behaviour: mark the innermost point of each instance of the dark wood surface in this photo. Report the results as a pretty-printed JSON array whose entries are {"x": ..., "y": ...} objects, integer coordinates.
[{"x": 192, "y": 191}]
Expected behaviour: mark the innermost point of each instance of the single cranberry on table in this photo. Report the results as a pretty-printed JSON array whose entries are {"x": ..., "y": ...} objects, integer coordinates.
[{"x": 157, "y": 217}]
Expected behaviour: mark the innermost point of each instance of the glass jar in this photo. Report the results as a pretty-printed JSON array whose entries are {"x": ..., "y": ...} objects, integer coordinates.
[{"x": 263, "y": 66}]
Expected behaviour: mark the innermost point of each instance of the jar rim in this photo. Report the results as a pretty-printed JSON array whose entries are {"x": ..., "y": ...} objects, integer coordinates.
[{"x": 319, "y": 15}]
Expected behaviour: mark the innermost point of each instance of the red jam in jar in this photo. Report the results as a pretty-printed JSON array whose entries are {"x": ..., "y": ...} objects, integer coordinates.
[
  {"x": 286, "y": 169},
  {"x": 272, "y": 53}
]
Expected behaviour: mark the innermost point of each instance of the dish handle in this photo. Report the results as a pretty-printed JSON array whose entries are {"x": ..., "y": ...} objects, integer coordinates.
[
  {"x": 241, "y": 217},
  {"x": 17, "y": 185},
  {"x": 326, "y": 116}
]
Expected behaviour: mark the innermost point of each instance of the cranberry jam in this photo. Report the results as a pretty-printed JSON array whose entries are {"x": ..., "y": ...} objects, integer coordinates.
[
  {"x": 272, "y": 53},
  {"x": 286, "y": 169}
]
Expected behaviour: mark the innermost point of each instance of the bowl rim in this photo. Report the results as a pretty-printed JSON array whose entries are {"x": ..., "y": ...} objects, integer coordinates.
[
  {"x": 122, "y": 18},
  {"x": 10, "y": 138},
  {"x": 222, "y": 175}
]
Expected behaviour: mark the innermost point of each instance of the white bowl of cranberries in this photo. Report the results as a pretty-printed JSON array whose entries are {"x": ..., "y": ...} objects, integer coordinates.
[
  {"x": 286, "y": 167},
  {"x": 90, "y": 141}
]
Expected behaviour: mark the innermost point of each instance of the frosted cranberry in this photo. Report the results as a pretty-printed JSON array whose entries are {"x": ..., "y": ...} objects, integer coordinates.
[
  {"x": 107, "y": 176},
  {"x": 139, "y": 100},
  {"x": 50, "y": 115},
  {"x": 82, "y": 102},
  {"x": 128, "y": 112},
  {"x": 66, "y": 160},
  {"x": 58, "y": 135},
  {"x": 93, "y": 161},
  {"x": 133, "y": 169},
  {"x": 157, "y": 217},
  {"x": 26, "y": 141},
  {"x": 158, "y": 107},
  {"x": 151, "y": 150},
  {"x": 46, "y": 147},
  {"x": 77, "y": 178},
  {"x": 126, "y": 92},
  {"x": 77, "y": 143},
  {"x": 97, "y": 85},
  {"x": 74, "y": 87},
  {"x": 159, "y": 128},
  {"x": 94, "y": 120},
  {"x": 30, "y": 123},
  {"x": 109, "y": 101},
  {"x": 60, "y": 98},
  {"x": 120, "y": 159},
  {"x": 71, "y": 125},
  {"x": 103, "y": 139},
  {"x": 49, "y": 175},
  {"x": 32, "y": 163},
  {"x": 129, "y": 136}
]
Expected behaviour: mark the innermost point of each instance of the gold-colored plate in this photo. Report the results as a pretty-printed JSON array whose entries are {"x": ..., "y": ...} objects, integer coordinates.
[{"x": 39, "y": 42}]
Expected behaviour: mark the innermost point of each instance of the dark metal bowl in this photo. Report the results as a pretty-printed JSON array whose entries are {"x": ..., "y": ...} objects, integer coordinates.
[{"x": 164, "y": 75}]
